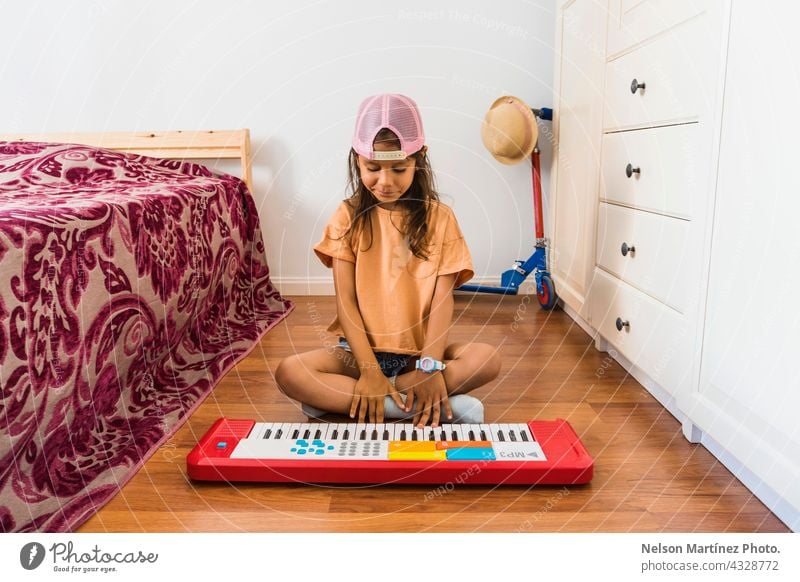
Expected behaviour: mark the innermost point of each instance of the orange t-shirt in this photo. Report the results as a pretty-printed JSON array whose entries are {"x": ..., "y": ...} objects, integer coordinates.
[{"x": 394, "y": 289}]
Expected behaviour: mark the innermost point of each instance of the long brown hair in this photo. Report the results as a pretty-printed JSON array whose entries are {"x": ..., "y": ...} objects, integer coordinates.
[{"x": 417, "y": 201}]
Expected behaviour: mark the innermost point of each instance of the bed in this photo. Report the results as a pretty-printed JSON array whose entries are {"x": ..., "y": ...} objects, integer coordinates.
[{"x": 129, "y": 285}]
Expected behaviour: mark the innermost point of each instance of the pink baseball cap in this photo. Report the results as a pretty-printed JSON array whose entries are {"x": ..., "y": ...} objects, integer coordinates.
[{"x": 394, "y": 112}]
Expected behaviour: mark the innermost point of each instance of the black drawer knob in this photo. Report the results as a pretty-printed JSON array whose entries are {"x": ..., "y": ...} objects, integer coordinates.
[
  {"x": 625, "y": 249},
  {"x": 636, "y": 85},
  {"x": 621, "y": 324},
  {"x": 630, "y": 170}
]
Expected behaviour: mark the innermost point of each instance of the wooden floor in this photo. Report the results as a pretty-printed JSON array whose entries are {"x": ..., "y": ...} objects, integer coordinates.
[{"x": 648, "y": 478}]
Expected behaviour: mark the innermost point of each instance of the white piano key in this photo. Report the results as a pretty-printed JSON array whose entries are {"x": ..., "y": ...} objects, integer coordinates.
[
  {"x": 370, "y": 428},
  {"x": 273, "y": 430},
  {"x": 380, "y": 428},
  {"x": 448, "y": 429},
  {"x": 493, "y": 429},
  {"x": 257, "y": 432},
  {"x": 403, "y": 432},
  {"x": 283, "y": 431},
  {"x": 523, "y": 433},
  {"x": 294, "y": 430}
]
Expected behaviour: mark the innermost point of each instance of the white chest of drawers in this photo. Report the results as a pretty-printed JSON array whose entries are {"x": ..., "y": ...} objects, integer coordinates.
[
  {"x": 693, "y": 194},
  {"x": 659, "y": 90}
]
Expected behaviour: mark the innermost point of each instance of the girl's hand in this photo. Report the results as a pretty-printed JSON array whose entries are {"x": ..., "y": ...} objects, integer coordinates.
[
  {"x": 430, "y": 392},
  {"x": 371, "y": 389}
]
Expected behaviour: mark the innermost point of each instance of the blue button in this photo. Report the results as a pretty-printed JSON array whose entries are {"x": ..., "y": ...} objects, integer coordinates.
[
  {"x": 317, "y": 443},
  {"x": 302, "y": 442},
  {"x": 301, "y": 452},
  {"x": 330, "y": 447},
  {"x": 222, "y": 445},
  {"x": 320, "y": 451},
  {"x": 470, "y": 454}
]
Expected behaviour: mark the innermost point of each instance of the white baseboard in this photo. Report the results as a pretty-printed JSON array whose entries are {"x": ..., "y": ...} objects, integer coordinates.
[{"x": 324, "y": 285}]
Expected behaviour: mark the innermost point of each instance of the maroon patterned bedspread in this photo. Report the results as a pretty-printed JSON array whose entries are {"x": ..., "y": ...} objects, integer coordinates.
[{"x": 128, "y": 287}]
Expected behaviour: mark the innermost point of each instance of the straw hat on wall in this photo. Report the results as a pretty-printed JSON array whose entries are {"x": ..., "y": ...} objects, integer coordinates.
[{"x": 509, "y": 130}]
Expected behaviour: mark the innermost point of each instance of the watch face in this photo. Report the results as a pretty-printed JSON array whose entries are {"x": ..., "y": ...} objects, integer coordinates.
[{"x": 426, "y": 364}]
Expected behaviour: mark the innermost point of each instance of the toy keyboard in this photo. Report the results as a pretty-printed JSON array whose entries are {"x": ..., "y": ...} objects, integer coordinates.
[{"x": 544, "y": 452}]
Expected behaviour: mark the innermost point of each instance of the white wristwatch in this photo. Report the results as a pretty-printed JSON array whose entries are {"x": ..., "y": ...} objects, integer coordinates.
[{"x": 429, "y": 365}]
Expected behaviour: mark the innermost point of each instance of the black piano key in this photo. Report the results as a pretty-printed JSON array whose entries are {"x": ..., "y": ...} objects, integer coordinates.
[
  {"x": 500, "y": 436},
  {"x": 483, "y": 436},
  {"x": 471, "y": 435},
  {"x": 269, "y": 432},
  {"x": 525, "y": 436},
  {"x": 296, "y": 433},
  {"x": 385, "y": 435},
  {"x": 443, "y": 436},
  {"x": 374, "y": 436},
  {"x": 307, "y": 433},
  {"x": 414, "y": 435},
  {"x": 363, "y": 435},
  {"x": 432, "y": 436},
  {"x": 402, "y": 435},
  {"x": 279, "y": 434},
  {"x": 318, "y": 434},
  {"x": 512, "y": 436},
  {"x": 346, "y": 434},
  {"x": 334, "y": 435}
]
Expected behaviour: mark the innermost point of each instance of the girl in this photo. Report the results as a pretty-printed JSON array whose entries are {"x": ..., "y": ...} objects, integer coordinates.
[{"x": 397, "y": 253}]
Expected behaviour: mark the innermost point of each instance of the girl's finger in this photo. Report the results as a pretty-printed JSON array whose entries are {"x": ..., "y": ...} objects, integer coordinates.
[
  {"x": 410, "y": 400},
  {"x": 448, "y": 412},
  {"x": 354, "y": 405}
]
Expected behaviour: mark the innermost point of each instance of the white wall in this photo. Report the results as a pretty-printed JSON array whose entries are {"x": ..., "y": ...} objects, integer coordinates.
[{"x": 294, "y": 73}]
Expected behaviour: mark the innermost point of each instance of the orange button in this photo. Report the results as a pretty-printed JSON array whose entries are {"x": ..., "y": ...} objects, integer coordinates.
[{"x": 445, "y": 445}]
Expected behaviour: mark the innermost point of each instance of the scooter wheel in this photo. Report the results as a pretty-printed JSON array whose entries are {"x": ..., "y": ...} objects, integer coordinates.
[{"x": 547, "y": 296}]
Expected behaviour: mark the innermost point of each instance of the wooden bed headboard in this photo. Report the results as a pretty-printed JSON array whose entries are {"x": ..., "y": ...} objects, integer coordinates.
[{"x": 178, "y": 145}]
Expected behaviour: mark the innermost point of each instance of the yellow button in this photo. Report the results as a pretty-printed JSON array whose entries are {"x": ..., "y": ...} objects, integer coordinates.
[
  {"x": 411, "y": 446},
  {"x": 418, "y": 455}
]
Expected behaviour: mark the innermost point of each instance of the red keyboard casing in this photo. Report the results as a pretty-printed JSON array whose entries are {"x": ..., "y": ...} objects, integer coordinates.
[{"x": 568, "y": 463}]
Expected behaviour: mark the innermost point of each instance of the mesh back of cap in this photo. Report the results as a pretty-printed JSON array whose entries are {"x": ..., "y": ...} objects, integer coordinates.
[{"x": 397, "y": 113}]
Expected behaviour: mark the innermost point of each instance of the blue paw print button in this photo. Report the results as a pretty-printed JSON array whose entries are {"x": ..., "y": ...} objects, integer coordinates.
[{"x": 317, "y": 447}]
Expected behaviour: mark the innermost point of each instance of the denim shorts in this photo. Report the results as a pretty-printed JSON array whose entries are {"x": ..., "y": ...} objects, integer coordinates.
[{"x": 391, "y": 364}]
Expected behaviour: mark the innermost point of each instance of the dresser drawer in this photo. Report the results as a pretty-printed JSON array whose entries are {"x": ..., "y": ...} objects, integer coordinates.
[
  {"x": 646, "y": 250},
  {"x": 665, "y": 173},
  {"x": 631, "y": 22},
  {"x": 652, "y": 336},
  {"x": 673, "y": 77}
]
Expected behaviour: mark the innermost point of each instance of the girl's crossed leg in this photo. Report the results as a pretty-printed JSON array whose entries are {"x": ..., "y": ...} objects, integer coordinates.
[{"x": 326, "y": 378}]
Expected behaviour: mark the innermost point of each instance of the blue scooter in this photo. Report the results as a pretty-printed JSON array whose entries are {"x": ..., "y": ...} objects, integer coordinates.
[{"x": 511, "y": 280}]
